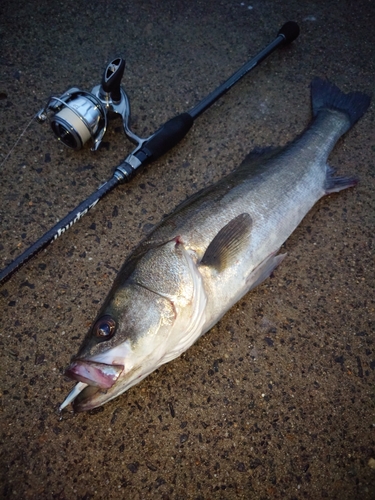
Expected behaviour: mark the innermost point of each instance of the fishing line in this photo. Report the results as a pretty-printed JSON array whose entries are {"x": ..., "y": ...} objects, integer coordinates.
[{"x": 18, "y": 140}]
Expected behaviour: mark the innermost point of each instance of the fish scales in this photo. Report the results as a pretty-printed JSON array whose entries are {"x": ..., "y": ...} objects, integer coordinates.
[{"x": 215, "y": 247}]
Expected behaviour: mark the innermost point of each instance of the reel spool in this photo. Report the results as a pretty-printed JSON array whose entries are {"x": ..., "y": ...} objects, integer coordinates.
[{"x": 78, "y": 117}]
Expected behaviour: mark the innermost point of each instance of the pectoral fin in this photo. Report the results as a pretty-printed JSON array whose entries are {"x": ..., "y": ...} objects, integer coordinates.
[{"x": 225, "y": 247}]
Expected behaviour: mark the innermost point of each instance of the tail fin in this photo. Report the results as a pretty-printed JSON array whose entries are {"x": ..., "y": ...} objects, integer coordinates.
[{"x": 326, "y": 95}]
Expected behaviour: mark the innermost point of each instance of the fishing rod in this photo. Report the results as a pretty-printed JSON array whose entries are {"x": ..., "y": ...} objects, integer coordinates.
[{"x": 78, "y": 116}]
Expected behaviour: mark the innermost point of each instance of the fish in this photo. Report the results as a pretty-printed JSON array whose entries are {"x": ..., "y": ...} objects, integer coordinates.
[{"x": 214, "y": 248}]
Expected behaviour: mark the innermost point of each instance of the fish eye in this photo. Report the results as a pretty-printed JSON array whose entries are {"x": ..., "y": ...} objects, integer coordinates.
[{"x": 104, "y": 328}]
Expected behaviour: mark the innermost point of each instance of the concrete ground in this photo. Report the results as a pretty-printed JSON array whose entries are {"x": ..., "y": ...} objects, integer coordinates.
[{"x": 277, "y": 400}]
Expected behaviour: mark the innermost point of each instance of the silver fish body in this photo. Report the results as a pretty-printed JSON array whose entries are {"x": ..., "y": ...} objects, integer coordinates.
[{"x": 204, "y": 257}]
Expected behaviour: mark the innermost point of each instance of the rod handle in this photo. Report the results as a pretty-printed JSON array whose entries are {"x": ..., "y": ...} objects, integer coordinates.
[
  {"x": 164, "y": 139},
  {"x": 290, "y": 31}
]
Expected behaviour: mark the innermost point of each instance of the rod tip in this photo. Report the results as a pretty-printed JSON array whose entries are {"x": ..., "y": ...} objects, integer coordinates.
[{"x": 289, "y": 31}]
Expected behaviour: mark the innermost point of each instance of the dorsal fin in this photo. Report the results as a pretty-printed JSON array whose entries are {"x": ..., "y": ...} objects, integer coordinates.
[{"x": 228, "y": 242}]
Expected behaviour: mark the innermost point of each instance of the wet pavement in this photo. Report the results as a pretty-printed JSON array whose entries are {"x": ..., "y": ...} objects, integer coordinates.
[{"x": 277, "y": 400}]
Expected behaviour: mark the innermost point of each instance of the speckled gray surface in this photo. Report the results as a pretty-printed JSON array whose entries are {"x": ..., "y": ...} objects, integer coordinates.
[{"x": 277, "y": 400}]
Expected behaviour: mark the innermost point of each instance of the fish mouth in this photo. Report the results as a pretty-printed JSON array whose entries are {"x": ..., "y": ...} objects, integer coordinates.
[
  {"x": 92, "y": 378},
  {"x": 93, "y": 373}
]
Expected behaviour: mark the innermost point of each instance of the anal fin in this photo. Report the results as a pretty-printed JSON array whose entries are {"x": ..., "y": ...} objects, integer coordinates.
[{"x": 336, "y": 184}]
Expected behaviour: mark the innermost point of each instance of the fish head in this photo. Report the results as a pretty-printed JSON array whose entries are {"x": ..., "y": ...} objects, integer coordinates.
[
  {"x": 154, "y": 312},
  {"x": 124, "y": 344}
]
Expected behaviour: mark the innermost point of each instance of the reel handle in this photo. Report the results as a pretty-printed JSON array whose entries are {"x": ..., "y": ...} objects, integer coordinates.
[{"x": 111, "y": 81}]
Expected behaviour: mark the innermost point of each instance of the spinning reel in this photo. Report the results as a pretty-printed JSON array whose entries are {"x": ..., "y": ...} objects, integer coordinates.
[{"x": 78, "y": 116}]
